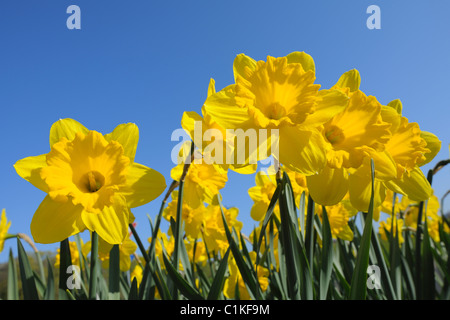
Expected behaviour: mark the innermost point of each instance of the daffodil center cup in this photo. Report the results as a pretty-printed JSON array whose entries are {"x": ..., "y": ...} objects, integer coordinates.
[
  {"x": 92, "y": 182},
  {"x": 334, "y": 135}
]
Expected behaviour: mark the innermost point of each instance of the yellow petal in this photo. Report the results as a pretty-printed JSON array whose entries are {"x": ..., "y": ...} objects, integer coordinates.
[
  {"x": 112, "y": 223},
  {"x": 143, "y": 185},
  {"x": 127, "y": 134},
  {"x": 55, "y": 221},
  {"x": 302, "y": 151},
  {"x": 385, "y": 166},
  {"x": 329, "y": 186},
  {"x": 29, "y": 168},
  {"x": 360, "y": 188},
  {"x": 188, "y": 121},
  {"x": 303, "y": 58},
  {"x": 351, "y": 79},
  {"x": 246, "y": 169},
  {"x": 331, "y": 103},
  {"x": 66, "y": 128},
  {"x": 433, "y": 144},
  {"x": 211, "y": 87},
  {"x": 240, "y": 63},
  {"x": 258, "y": 210},
  {"x": 222, "y": 108},
  {"x": 415, "y": 186}
]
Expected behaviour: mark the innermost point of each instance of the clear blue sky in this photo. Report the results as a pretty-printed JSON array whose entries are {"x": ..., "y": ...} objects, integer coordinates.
[{"x": 146, "y": 62}]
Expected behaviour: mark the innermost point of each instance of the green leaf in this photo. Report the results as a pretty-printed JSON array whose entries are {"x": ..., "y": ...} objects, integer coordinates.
[
  {"x": 428, "y": 266},
  {"x": 50, "y": 290},
  {"x": 326, "y": 266},
  {"x": 26, "y": 274},
  {"x": 65, "y": 261},
  {"x": 247, "y": 273},
  {"x": 185, "y": 288},
  {"x": 114, "y": 273},
  {"x": 133, "y": 295},
  {"x": 95, "y": 267},
  {"x": 13, "y": 286},
  {"x": 359, "y": 279},
  {"x": 219, "y": 279},
  {"x": 266, "y": 220}
]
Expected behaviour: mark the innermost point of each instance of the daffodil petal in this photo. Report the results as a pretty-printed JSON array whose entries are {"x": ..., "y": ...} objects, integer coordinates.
[
  {"x": 329, "y": 186},
  {"x": 143, "y": 185},
  {"x": 331, "y": 103},
  {"x": 385, "y": 166},
  {"x": 127, "y": 134},
  {"x": 433, "y": 144},
  {"x": 240, "y": 63},
  {"x": 66, "y": 128},
  {"x": 222, "y": 108},
  {"x": 246, "y": 169},
  {"x": 112, "y": 223},
  {"x": 211, "y": 87},
  {"x": 350, "y": 79},
  {"x": 303, "y": 58},
  {"x": 29, "y": 168},
  {"x": 55, "y": 221},
  {"x": 360, "y": 189},
  {"x": 258, "y": 210},
  {"x": 415, "y": 186},
  {"x": 188, "y": 121},
  {"x": 301, "y": 150}
]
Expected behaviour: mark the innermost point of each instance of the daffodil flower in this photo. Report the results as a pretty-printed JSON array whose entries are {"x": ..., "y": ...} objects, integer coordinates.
[
  {"x": 280, "y": 94},
  {"x": 91, "y": 181},
  {"x": 216, "y": 144},
  {"x": 4, "y": 227}
]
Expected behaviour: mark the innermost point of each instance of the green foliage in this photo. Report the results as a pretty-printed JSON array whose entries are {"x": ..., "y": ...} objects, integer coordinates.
[{"x": 309, "y": 263}]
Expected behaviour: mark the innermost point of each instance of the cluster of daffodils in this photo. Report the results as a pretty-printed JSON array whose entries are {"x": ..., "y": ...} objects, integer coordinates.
[{"x": 325, "y": 140}]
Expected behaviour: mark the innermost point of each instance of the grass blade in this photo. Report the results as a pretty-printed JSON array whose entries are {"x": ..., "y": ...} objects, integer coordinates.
[
  {"x": 219, "y": 279},
  {"x": 95, "y": 266},
  {"x": 359, "y": 279},
  {"x": 26, "y": 274},
  {"x": 326, "y": 266},
  {"x": 13, "y": 283},
  {"x": 185, "y": 288},
  {"x": 114, "y": 273},
  {"x": 50, "y": 290}
]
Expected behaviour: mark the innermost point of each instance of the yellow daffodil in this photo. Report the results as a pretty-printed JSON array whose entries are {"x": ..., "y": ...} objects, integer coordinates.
[
  {"x": 431, "y": 208},
  {"x": 4, "y": 227},
  {"x": 280, "y": 94},
  {"x": 91, "y": 181},
  {"x": 338, "y": 217},
  {"x": 137, "y": 273},
  {"x": 213, "y": 229},
  {"x": 201, "y": 183},
  {"x": 353, "y": 135},
  {"x": 193, "y": 218},
  {"x": 235, "y": 282},
  {"x": 387, "y": 226},
  {"x": 261, "y": 194},
  {"x": 215, "y": 143}
]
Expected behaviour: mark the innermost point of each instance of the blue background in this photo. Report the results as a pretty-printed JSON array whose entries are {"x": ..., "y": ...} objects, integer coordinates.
[{"x": 149, "y": 61}]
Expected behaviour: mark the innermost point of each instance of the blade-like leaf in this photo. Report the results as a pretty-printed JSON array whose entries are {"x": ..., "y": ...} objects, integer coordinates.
[
  {"x": 13, "y": 286},
  {"x": 26, "y": 274},
  {"x": 219, "y": 279},
  {"x": 327, "y": 256},
  {"x": 359, "y": 279},
  {"x": 114, "y": 273},
  {"x": 50, "y": 290},
  {"x": 185, "y": 288}
]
